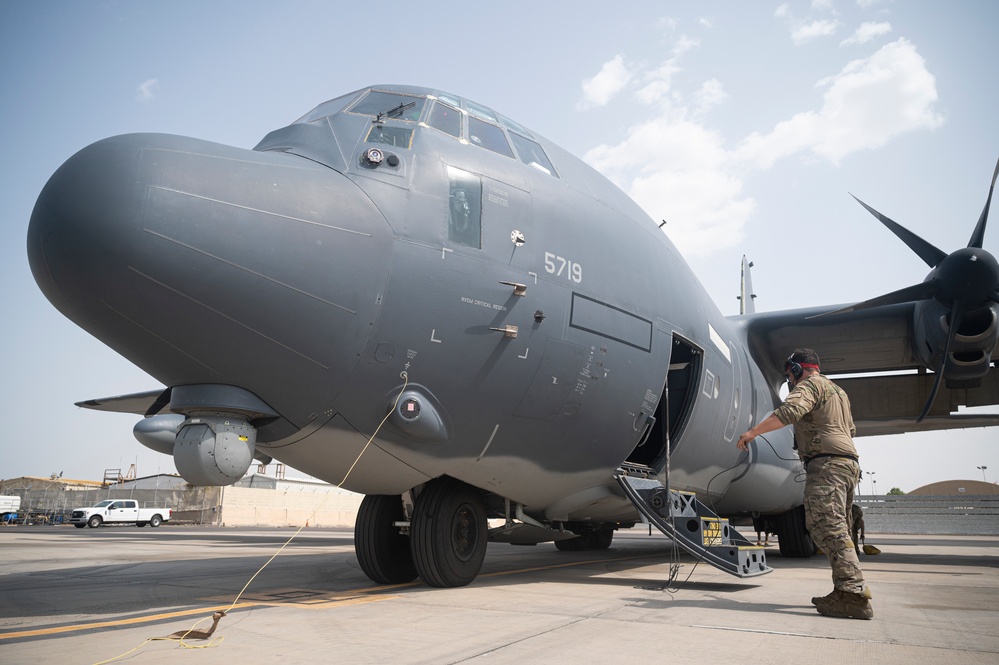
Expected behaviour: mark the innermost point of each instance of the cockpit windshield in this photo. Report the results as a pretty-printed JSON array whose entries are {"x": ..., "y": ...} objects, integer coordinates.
[
  {"x": 385, "y": 105},
  {"x": 457, "y": 117}
]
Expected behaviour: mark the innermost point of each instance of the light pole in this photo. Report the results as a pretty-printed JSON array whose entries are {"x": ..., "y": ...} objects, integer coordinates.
[
  {"x": 873, "y": 482},
  {"x": 875, "y": 487},
  {"x": 982, "y": 469}
]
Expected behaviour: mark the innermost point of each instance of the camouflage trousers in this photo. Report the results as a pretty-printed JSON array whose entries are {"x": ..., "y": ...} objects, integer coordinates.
[{"x": 829, "y": 484}]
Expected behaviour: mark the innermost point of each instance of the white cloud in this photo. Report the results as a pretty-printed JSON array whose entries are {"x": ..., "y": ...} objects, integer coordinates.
[
  {"x": 657, "y": 84},
  {"x": 710, "y": 95},
  {"x": 610, "y": 80},
  {"x": 806, "y": 32},
  {"x": 868, "y": 103},
  {"x": 866, "y": 32},
  {"x": 684, "y": 179},
  {"x": 147, "y": 90},
  {"x": 679, "y": 169}
]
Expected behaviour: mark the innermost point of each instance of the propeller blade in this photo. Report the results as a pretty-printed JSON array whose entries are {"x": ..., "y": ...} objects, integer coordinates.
[
  {"x": 956, "y": 314},
  {"x": 921, "y": 291},
  {"x": 927, "y": 252},
  {"x": 979, "y": 234}
]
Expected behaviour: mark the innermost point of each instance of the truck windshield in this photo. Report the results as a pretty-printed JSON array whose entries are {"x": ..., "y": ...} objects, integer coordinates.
[{"x": 103, "y": 503}]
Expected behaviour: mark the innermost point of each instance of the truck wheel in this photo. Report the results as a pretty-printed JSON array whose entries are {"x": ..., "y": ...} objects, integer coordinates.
[
  {"x": 94, "y": 521},
  {"x": 141, "y": 524},
  {"x": 79, "y": 526},
  {"x": 155, "y": 521}
]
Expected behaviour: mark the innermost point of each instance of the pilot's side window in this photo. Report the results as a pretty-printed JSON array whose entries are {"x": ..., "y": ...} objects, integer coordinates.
[
  {"x": 488, "y": 136},
  {"x": 464, "y": 225},
  {"x": 532, "y": 154},
  {"x": 445, "y": 118}
]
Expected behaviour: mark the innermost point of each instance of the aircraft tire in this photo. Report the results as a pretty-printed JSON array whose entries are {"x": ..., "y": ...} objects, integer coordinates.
[
  {"x": 448, "y": 533},
  {"x": 792, "y": 536},
  {"x": 589, "y": 540},
  {"x": 383, "y": 553},
  {"x": 581, "y": 543},
  {"x": 601, "y": 539}
]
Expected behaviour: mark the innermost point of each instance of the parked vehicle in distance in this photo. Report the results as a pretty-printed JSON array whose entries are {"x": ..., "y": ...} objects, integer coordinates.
[
  {"x": 9, "y": 505},
  {"x": 119, "y": 511}
]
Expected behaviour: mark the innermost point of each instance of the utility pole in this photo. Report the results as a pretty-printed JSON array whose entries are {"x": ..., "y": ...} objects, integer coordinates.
[{"x": 982, "y": 469}]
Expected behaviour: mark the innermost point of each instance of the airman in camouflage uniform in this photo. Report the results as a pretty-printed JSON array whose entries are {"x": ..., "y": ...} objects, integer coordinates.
[{"x": 823, "y": 432}]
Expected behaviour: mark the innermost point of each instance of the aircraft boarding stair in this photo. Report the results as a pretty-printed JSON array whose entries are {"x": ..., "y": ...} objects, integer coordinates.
[{"x": 692, "y": 525}]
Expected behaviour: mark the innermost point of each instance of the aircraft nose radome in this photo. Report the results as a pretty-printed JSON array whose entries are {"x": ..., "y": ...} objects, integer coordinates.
[{"x": 204, "y": 263}]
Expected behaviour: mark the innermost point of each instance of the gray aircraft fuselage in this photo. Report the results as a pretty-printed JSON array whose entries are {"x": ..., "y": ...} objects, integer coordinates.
[{"x": 404, "y": 251}]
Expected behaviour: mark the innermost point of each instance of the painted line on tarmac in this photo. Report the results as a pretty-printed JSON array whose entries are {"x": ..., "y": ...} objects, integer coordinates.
[
  {"x": 293, "y": 598},
  {"x": 38, "y": 632}
]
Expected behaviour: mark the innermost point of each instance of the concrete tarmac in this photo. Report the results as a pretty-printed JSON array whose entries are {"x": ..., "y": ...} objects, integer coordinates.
[{"x": 97, "y": 595}]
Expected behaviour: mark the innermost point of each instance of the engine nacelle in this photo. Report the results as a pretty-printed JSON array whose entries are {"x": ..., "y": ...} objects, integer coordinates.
[
  {"x": 971, "y": 349},
  {"x": 214, "y": 449}
]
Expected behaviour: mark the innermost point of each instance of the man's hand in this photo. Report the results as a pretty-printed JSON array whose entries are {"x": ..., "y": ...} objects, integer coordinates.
[{"x": 743, "y": 443}]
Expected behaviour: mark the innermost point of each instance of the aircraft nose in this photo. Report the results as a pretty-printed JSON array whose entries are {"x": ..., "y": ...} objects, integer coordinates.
[{"x": 204, "y": 263}]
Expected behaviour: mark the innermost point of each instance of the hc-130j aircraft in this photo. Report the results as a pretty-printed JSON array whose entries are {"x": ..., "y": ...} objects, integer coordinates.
[{"x": 409, "y": 294}]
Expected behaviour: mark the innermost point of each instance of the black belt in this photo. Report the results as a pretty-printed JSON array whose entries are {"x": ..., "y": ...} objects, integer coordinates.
[{"x": 808, "y": 460}]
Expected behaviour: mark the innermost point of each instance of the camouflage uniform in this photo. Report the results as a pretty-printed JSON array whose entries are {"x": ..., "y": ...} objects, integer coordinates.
[{"x": 823, "y": 431}]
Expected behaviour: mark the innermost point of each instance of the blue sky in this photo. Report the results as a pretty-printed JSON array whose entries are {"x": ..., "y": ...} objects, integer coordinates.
[{"x": 745, "y": 125}]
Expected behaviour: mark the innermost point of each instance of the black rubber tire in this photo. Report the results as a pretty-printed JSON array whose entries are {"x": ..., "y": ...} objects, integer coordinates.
[
  {"x": 580, "y": 543},
  {"x": 155, "y": 521},
  {"x": 792, "y": 536},
  {"x": 94, "y": 521},
  {"x": 448, "y": 533},
  {"x": 601, "y": 539},
  {"x": 141, "y": 524},
  {"x": 79, "y": 526},
  {"x": 382, "y": 552}
]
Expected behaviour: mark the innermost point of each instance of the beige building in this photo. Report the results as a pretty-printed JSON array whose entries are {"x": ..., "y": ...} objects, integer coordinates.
[{"x": 951, "y": 487}]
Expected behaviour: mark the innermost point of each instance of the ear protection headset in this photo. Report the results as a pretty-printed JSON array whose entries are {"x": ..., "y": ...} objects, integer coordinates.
[
  {"x": 795, "y": 368},
  {"x": 790, "y": 365}
]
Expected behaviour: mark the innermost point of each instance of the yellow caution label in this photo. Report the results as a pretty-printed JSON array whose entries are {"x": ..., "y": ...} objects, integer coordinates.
[{"x": 711, "y": 531}]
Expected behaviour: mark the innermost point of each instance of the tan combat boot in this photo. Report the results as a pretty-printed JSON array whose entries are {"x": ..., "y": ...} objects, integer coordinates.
[{"x": 846, "y": 605}]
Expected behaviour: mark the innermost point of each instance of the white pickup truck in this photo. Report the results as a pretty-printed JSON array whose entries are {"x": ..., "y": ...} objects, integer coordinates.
[{"x": 119, "y": 511}]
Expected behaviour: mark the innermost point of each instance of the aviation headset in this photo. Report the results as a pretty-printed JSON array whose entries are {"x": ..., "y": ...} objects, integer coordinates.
[{"x": 795, "y": 368}]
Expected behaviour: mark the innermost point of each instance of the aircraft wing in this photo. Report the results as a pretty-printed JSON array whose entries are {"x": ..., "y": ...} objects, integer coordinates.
[{"x": 877, "y": 344}]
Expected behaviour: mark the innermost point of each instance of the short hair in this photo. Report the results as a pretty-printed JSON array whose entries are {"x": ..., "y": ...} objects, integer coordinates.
[{"x": 805, "y": 357}]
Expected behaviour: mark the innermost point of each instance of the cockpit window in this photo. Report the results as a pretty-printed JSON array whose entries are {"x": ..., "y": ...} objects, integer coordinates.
[
  {"x": 445, "y": 118},
  {"x": 532, "y": 154},
  {"x": 480, "y": 111},
  {"x": 386, "y": 105},
  {"x": 400, "y": 137},
  {"x": 488, "y": 136},
  {"x": 464, "y": 225},
  {"x": 327, "y": 108},
  {"x": 515, "y": 127}
]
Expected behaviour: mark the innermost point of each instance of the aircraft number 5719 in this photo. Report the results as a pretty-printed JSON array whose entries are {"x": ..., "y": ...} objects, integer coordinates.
[{"x": 559, "y": 266}]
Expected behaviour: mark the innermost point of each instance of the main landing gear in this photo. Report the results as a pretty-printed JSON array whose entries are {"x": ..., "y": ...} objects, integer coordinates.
[{"x": 447, "y": 537}]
